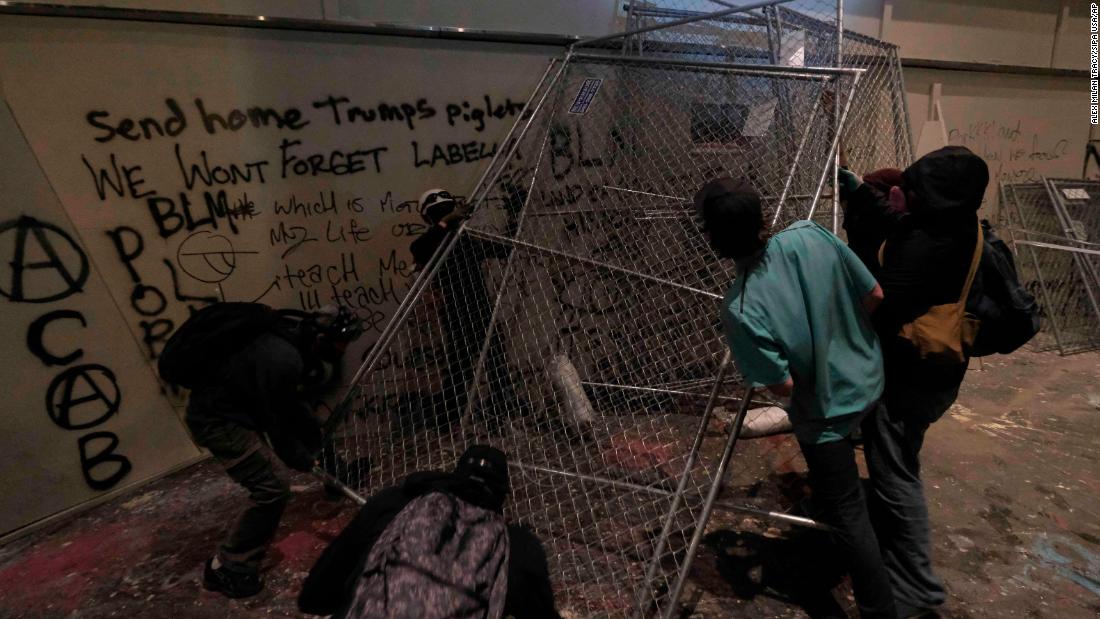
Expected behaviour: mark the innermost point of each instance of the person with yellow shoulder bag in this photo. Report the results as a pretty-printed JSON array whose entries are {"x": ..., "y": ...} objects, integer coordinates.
[
  {"x": 946, "y": 332},
  {"x": 926, "y": 268}
]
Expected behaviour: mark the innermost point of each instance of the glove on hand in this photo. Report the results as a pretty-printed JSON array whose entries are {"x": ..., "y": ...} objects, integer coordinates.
[
  {"x": 293, "y": 453},
  {"x": 849, "y": 181},
  {"x": 461, "y": 211}
]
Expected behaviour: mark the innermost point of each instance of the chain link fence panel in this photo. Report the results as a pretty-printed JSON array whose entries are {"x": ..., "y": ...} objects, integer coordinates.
[
  {"x": 1045, "y": 232},
  {"x": 876, "y": 132},
  {"x": 573, "y": 320}
]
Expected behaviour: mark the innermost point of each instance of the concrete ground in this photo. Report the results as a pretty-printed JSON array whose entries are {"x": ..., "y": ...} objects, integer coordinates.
[
  {"x": 1012, "y": 477},
  {"x": 1012, "y": 474}
]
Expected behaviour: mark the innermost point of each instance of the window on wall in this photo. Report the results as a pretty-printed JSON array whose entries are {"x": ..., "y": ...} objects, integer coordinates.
[
  {"x": 747, "y": 115},
  {"x": 717, "y": 123}
]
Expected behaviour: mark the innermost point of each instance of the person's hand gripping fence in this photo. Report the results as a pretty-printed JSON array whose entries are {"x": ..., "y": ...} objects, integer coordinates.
[{"x": 462, "y": 211}]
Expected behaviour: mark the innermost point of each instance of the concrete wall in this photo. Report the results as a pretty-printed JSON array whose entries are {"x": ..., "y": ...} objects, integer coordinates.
[
  {"x": 109, "y": 236},
  {"x": 146, "y": 227},
  {"x": 1025, "y": 124}
]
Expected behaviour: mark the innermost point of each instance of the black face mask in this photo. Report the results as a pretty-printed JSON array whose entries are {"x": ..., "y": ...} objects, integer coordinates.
[
  {"x": 733, "y": 247},
  {"x": 440, "y": 204}
]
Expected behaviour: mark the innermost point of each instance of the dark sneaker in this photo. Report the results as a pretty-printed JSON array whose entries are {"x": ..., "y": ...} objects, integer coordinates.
[{"x": 231, "y": 583}]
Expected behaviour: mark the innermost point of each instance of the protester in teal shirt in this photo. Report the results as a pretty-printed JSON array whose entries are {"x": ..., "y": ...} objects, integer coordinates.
[
  {"x": 798, "y": 322},
  {"x": 795, "y": 312}
]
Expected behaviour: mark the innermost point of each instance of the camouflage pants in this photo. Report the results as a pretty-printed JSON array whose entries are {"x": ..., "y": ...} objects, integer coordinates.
[{"x": 240, "y": 452}]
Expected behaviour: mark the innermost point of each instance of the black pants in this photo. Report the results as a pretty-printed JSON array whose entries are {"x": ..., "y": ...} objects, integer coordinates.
[
  {"x": 240, "y": 452},
  {"x": 837, "y": 492},
  {"x": 893, "y": 442},
  {"x": 466, "y": 314}
]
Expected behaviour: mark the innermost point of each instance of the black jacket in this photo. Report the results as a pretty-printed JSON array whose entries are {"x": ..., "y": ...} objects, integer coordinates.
[
  {"x": 328, "y": 588},
  {"x": 259, "y": 388},
  {"x": 927, "y": 255},
  {"x": 425, "y": 245}
]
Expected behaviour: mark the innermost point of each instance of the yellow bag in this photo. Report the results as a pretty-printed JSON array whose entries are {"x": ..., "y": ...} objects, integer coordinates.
[{"x": 945, "y": 333}]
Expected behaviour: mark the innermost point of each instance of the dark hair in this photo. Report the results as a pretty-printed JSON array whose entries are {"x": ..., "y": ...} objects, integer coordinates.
[{"x": 732, "y": 216}]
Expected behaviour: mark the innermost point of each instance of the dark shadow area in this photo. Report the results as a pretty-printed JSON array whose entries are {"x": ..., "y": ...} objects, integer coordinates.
[{"x": 800, "y": 568}]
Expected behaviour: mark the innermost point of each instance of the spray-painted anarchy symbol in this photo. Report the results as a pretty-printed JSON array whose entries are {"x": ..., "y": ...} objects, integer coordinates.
[{"x": 46, "y": 263}]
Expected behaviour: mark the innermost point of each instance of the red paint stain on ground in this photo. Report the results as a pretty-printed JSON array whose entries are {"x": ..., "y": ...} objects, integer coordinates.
[
  {"x": 61, "y": 573},
  {"x": 783, "y": 456},
  {"x": 1058, "y": 520},
  {"x": 632, "y": 453},
  {"x": 299, "y": 549}
]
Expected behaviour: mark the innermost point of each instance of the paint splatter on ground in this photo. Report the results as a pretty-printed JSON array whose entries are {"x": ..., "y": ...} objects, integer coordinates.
[
  {"x": 1012, "y": 474},
  {"x": 142, "y": 555}
]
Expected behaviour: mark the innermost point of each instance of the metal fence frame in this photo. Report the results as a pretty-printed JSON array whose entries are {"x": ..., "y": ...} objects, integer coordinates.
[
  {"x": 1057, "y": 261},
  {"x": 844, "y": 80}
]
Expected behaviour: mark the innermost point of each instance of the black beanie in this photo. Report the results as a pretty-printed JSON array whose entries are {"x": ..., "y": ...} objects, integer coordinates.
[{"x": 488, "y": 465}]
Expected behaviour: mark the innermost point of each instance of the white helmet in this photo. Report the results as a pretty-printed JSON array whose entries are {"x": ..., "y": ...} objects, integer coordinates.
[{"x": 440, "y": 201}]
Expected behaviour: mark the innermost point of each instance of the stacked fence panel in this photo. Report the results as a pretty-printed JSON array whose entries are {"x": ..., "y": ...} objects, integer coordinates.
[{"x": 1055, "y": 226}]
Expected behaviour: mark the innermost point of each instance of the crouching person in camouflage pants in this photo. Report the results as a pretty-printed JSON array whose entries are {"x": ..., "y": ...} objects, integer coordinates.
[{"x": 263, "y": 390}]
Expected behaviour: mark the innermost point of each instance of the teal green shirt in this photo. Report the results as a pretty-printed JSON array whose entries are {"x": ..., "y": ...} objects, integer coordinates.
[{"x": 797, "y": 313}]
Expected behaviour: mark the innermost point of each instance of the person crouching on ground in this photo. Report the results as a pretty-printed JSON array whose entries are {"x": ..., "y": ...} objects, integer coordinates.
[
  {"x": 435, "y": 545},
  {"x": 797, "y": 320},
  {"x": 265, "y": 389}
]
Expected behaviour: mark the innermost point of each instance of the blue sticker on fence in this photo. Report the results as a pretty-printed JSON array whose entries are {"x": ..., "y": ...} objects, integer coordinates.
[{"x": 586, "y": 95}]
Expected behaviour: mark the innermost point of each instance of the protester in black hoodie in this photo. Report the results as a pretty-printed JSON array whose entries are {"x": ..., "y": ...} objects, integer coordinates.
[
  {"x": 330, "y": 586},
  {"x": 466, "y": 310},
  {"x": 870, "y": 215},
  {"x": 928, "y": 252}
]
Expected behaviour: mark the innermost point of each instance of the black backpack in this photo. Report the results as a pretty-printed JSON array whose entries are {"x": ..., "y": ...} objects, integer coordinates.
[
  {"x": 1009, "y": 314},
  {"x": 200, "y": 345}
]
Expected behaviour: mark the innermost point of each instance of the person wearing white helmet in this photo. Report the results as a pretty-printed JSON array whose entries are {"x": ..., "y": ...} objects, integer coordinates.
[
  {"x": 443, "y": 213},
  {"x": 465, "y": 312}
]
